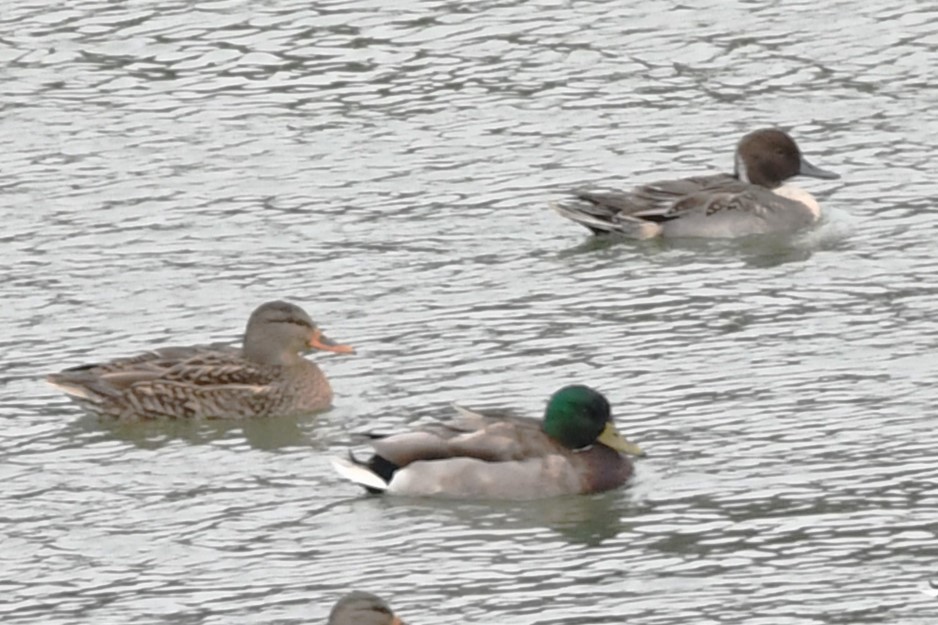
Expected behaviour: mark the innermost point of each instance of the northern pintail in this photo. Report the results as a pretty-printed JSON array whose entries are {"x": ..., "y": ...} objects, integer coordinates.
[
  {"x": 266, "y": 377},
  {"x": 753, "y": 200}
]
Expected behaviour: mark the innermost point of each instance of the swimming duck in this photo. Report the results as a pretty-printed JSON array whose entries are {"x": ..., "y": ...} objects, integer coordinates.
[
  {"x": 576, "y": 448},
  {"x": 362, "y": 608},
  {"x": 753, "y": 200},
  {"x": 265, "y": 377}
]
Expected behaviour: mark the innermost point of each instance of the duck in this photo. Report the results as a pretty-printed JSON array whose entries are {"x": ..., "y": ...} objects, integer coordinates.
[
  {"x": 574, "y": 449},
  {"x": 265, "y": 377},
  {"x": 362, "y": 608},
  {"x": 753, "y": 200}
]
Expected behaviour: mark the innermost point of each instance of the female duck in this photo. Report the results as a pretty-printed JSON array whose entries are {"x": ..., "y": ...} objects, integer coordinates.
[
  {"x": 751, "y": 201},
  {"x": 576, "y": 448},
  {"x": 266, "y": 377}
]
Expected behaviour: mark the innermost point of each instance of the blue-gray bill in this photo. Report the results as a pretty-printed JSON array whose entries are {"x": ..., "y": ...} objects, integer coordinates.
[{"x": 807, "y": 169}]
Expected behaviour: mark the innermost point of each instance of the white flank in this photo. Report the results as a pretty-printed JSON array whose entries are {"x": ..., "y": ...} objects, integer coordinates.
[{"x": 358, "y": 474}]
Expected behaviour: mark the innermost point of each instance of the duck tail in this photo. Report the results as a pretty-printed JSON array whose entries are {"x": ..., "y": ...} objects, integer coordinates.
[
  {"x": 80, "y": 384},
  {"x": 602, "y": 220},
  {"x": 360, "y": 473}
]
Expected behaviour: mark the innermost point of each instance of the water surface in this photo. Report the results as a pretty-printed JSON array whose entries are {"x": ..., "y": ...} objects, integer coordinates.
[{"x": 168, "y": 166}]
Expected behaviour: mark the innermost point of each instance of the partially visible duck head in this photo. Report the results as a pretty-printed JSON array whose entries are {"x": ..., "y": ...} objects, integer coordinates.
[
  {"x": 278, "y": 331},
  {"x": 362, "y": 608},
  {"x": 769, "y": 157}
]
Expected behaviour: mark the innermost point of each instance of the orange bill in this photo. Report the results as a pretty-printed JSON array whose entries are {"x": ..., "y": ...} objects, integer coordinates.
[{"x": 318, "y": 340}]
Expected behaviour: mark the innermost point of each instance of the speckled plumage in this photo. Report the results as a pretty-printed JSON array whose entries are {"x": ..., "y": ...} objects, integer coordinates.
[{"x": 265, "y": 378}]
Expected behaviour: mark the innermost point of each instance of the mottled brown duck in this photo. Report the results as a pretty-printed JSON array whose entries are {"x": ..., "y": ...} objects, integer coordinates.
[
  {"x": 362, "y": 608},
  {"x": 266, "y": 377}
]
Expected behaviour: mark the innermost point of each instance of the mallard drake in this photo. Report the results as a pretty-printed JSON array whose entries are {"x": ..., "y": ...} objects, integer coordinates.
[
  {"x": 576, "y": 448},
  {"x": 753, "y": 200},
  {"x": 362, "y": 608},
  {"x": 265, "y": 377}
]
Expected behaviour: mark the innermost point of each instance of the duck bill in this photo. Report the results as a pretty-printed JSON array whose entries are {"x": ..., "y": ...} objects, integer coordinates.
[
  {"x": 807, "y": 169},
  {"x": 610, "y": 437},
  {"x": 397, "y": 621},
  {"x": 320, "y": 341}
]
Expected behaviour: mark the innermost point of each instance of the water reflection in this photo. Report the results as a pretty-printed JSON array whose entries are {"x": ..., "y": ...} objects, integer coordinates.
[
  {"x": 588, "y": 520},
  {"x": 262, "y": 434},
  {"x": 756, "y": 251}
]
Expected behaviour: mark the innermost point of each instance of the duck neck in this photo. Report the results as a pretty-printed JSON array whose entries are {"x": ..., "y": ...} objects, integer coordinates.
[
  {"x": 264, "y": 353},
  {"x": 758, "y": 176}
]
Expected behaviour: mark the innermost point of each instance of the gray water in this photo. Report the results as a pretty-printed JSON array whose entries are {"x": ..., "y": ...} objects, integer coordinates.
[{"x": 168, "y": 166}]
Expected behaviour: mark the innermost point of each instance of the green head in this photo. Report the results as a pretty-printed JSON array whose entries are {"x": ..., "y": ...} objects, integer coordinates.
[{"x": 578, "y": 416}]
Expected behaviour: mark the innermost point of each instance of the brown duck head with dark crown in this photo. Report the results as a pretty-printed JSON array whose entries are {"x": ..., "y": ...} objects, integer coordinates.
[
  {"x": 768, "y": 157},
  {"x": 278, "y": 331}
]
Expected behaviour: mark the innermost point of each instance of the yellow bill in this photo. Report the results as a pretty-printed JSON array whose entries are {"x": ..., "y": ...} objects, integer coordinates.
[{"x": 610, "y": 437}]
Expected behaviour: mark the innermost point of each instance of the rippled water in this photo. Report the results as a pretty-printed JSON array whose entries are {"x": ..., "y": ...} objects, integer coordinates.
[{"x": 167, "y": 166}]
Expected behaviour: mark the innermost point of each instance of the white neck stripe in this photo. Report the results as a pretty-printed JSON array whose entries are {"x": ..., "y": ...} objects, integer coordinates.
[{"x": 741, "y": 170}]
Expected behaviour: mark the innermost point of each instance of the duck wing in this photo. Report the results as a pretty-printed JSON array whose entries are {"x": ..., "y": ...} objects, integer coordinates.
[
  {"x": 171, "y": 382},
  {"x": 641, "y": 212},
  {"x": 155, "y": 360},
  {"x": 656, "y": 201},
  {"x": 489, "y": 437},
  {"x": 733, "y": 212}
]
